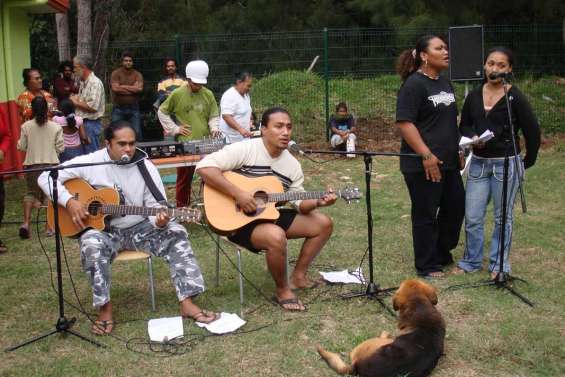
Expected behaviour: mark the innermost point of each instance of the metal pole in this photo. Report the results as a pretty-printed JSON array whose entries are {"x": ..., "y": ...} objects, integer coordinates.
[
  {"x": 178, "y": 50},
  {"x": 327, "y": 83}
]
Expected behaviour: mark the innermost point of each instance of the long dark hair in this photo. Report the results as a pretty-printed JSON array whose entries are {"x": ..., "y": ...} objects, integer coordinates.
[
  {"x": 116, "y": 126},
  {"x": 68, "y": 109},
  {"x": 503, "y": 50},
  {"x": 409, "y": 60},
  {"x": 267, "y": 114},
  {"x": 39, "y": 110}
]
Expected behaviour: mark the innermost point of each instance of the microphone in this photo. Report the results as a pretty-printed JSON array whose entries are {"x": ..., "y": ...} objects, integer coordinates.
[
  {"x": 294, "y": 147},
  {"x": 123, "y": 160},
  {"x": 496, "y": 75}
]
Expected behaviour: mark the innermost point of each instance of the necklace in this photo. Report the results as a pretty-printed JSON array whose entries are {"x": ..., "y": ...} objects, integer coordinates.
[{"x": 428, "y": 76}]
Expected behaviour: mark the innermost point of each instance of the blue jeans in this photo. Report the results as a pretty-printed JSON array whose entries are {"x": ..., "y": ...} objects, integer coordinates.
[
  {"x": 485, "y": 182},
  {"x": 71, "y": 152},
  {"x": 129, "y": 113},
  {"x": 93, "y": 130}
]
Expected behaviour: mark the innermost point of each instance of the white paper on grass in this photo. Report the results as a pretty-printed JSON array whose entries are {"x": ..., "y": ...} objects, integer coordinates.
[
  {"x": 465, "y": 142},
  {"x": 345, "y": 277},
  {"x": 161, "y": 328},
  {"x": 225, "y": 324}
]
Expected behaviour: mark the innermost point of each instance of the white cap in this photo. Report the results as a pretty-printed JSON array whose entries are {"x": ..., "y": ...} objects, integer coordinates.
[{"x": 197, "y": 71}]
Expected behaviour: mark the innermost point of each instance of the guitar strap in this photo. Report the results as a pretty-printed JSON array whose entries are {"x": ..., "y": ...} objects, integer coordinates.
[{"x": 151, "y": 184}]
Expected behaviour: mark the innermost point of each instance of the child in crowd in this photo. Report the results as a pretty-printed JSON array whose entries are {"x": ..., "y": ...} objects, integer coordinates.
[
  {"x": 42, "y": 140},
  {"x": 74, "y": 134},
  {"x": 343, "y": 126}
]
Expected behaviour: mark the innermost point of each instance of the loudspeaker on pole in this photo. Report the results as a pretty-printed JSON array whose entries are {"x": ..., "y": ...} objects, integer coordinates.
[{"x": 466, "y": 53}]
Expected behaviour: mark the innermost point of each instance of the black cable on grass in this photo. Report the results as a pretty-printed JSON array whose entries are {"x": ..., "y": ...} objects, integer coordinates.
[{"x": 172, "y": 347}]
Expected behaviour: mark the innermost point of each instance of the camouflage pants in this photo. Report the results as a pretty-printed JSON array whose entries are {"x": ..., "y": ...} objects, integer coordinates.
[{"x": 98, "y": 250}]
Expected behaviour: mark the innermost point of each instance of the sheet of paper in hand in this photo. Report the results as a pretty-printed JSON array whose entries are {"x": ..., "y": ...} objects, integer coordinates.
[{"x": 466, "y": 142}]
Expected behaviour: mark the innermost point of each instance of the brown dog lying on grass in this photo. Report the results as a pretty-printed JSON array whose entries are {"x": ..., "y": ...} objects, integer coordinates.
[{"x": 414, "y": 352}]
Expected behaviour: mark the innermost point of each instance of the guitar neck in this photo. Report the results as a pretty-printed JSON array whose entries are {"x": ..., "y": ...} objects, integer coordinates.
[
  {"x": 114, "y": 209},
  {"x": 298, "y": 195}
]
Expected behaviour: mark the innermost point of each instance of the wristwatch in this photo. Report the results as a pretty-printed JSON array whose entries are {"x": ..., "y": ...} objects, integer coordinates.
[{"x": 427, "y": 156}]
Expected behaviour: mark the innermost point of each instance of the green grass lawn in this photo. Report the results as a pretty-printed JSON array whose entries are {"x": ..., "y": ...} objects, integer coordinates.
[
  {"x": 374, "y": 99},
  {"x": 489, "y": 332}
]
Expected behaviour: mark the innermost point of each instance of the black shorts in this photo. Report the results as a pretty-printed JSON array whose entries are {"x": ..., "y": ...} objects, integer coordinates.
[{"x": 243, "y": 236}]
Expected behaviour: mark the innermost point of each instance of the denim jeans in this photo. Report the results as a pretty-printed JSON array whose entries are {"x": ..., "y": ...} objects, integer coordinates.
[
  {"x": 484, "y": 182},
  {"x": 93, "y": 130},
  {"x": 129, "y": 113},
  {"x": 71, "y": 152}
]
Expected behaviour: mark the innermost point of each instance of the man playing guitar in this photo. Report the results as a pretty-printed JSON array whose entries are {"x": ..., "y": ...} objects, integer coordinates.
[
  {"x": 158, "y": 235},
  {"x": 268, "y": 155}
]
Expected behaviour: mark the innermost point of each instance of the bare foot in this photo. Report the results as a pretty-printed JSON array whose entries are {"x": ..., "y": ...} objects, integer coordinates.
[{"x": 305, "y": 283}]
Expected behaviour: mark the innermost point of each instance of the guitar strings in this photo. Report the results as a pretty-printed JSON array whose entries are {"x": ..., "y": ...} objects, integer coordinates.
[{"x": 172, "y": 347}]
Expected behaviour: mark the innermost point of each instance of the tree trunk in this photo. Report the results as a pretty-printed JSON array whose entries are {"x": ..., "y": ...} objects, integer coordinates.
[
  {"x": 84, "y": 29},
  {"x": 101, "y": 27},
  {"x": 63, "y": 41}
]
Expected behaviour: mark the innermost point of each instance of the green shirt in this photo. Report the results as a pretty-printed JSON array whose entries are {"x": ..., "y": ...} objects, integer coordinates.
[{"x": 192, "y": 109}]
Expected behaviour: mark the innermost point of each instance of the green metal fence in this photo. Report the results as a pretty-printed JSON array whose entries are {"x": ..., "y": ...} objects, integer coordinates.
[{"x": 354, "y": 65}]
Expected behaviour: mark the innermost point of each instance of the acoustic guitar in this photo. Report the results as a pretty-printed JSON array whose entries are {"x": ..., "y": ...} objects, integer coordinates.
[
  {"x": 225, "y": 216},
  {"x": 103, "y": 202}
]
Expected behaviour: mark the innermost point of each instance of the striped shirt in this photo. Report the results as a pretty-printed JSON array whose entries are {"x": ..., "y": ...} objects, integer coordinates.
[{"x": 251, "y": 159}]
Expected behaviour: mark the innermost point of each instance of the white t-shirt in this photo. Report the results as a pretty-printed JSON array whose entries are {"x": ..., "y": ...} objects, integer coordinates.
[
  {"x": 251, "y": 158},
  {"x": 238, "y": 106},
  {"x": 125, "y": 178}
]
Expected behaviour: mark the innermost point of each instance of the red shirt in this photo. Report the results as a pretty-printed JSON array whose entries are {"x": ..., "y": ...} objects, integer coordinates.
[{"x": 64, "y": 88}]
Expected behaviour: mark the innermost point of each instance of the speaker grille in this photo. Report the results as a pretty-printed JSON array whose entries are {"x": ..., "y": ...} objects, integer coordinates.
[{"x": 466, "y": 53}]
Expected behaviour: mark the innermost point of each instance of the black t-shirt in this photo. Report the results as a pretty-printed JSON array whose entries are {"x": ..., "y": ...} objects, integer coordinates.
[
  {"x": 475, "y": 121},
  {"x": 430, "y": 105}
]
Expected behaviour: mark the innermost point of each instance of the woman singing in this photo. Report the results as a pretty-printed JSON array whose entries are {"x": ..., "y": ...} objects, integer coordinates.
[
  {"x": 485, "y": 109},
  {"x": 426, "y": 115}
]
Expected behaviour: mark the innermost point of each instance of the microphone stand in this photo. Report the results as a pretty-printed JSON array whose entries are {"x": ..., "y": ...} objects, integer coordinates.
[
  {"x": 503, "y": 279},
  {"x": 63, "y": 324},
  {"x": 373, "y": 289}
]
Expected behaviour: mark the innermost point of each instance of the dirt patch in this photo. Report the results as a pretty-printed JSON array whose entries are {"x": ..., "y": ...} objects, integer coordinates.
[{"x": 376, "y": 135}]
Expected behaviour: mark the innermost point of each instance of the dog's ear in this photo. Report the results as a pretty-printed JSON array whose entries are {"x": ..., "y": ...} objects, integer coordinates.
[
  {"x": 395, "y": 302},
  {"x": 431, "y": 292}
]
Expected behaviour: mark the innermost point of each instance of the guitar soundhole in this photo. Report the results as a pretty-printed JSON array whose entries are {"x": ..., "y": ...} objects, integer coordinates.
[
  {"x": 261, "y": 198},
  {"x": 94, "y": 208}
]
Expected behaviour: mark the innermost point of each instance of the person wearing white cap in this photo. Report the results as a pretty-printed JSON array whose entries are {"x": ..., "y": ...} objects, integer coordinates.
[{"x": 197, "y": 116}]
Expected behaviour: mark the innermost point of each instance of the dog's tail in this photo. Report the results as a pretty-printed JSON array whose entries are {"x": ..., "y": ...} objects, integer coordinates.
[{"x": 335, "y": 362}]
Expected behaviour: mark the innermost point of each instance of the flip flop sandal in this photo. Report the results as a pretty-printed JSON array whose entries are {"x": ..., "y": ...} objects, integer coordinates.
[
  {"x": 290, "y": 301},
  {"x": 433, "y": 275},
  {"x": 203, "y": 314},
  {"x": 101, "y": 328}
]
